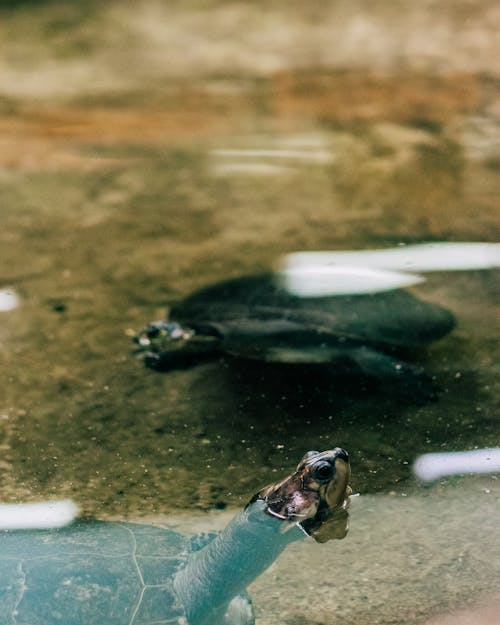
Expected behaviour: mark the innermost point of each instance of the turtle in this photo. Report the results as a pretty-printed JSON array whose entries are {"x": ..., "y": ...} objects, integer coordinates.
[
  {"x": 122, "y": 573},
  {"x": 254, "y": 317}
]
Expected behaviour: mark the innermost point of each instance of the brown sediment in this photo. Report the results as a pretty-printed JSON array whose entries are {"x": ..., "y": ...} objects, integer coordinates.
[
  {"x": 60, "y": 135},
  {"x": 352, "y": 96}
]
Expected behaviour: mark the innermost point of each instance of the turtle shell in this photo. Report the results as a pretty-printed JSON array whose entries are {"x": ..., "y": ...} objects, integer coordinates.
[
  {"x": 247, "y": 310},
  {"x": 91, "y": 573}
]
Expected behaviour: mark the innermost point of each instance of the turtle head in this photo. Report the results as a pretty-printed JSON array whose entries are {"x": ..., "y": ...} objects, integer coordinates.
[
  {"x": 162, "y": 335},
  {"x": 315, "y": 496},
  {"x": 166, "y": 345}
]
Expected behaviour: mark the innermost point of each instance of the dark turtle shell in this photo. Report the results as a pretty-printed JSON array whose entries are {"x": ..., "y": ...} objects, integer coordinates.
[
  {"x": 252, "y": 317},
  {"x": 255, "y": 307}
]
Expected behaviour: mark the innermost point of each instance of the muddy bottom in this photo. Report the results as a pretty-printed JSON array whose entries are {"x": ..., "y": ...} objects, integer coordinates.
[{"x": 95, "y": 255}]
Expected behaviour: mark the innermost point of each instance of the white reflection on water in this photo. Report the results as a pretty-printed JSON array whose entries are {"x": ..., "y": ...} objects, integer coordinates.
[
  {"x": 319, "y": 156},
  {"x": 316, "y": 274},
  {"x": 257, "y": 169},
  {"x": 42, "y": 515},
  {"x": 8, "y": 300},
  {"x": 443, "y": 256},
  {"x": 429, "y": 467},
  {"x": 318, "y": 281},
  {"x": 283, "y": 157}
]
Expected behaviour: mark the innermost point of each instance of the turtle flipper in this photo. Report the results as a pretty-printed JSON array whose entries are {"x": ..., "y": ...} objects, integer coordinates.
[
  {"x": 198, "y": 541},
  {"x": 403, "y": 377},
  {"x": 240, "y": 611}
]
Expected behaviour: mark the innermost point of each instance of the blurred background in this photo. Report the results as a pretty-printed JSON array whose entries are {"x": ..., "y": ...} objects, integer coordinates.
[{"x": 150, "y": 148}]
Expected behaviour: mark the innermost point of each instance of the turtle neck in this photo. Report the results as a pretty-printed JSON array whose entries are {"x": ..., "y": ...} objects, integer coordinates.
[{"x": 221, "y": 570}]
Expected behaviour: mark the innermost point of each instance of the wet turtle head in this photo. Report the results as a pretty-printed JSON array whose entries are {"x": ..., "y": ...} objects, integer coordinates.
[
  {"x": 162, "y": 335},
  {"x": 315, "y": 496},
  {"x": 167, "y": 345}
]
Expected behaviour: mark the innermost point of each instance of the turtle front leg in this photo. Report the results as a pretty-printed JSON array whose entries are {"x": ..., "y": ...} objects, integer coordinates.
[{"x": 240, "y": 611}]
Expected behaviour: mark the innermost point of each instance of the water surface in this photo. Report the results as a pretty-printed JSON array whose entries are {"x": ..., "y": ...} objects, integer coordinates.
[{"x": 118, "y": 199}]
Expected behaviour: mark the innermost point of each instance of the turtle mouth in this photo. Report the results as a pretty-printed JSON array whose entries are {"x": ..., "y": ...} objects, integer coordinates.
[{"x": 315, "y": 497}]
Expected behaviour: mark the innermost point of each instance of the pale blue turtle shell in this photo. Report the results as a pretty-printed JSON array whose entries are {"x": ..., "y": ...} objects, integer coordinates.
[{"x": 93, "y": 572}]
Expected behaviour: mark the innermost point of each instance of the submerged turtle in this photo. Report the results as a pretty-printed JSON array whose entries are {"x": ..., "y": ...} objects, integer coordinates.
[
  {"x": 92, "y": 572},
  {"x": 253, "y": 317}
]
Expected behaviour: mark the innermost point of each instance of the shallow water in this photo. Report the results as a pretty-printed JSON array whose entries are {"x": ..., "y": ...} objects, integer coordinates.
[{"x": 120, "y": 197}]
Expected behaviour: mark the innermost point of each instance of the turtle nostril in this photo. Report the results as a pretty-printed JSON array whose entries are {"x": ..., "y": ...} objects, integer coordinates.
[{"x": 341, "y": 454}]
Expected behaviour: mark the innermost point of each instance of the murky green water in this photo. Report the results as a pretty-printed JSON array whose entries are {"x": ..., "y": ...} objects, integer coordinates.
[
  {"x": 96, "y": 255},
  {"x": 115, "y": 205}
]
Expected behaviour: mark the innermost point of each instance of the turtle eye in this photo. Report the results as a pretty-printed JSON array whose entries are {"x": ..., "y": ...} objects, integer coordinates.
[{"x": 323, "y": 472}]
